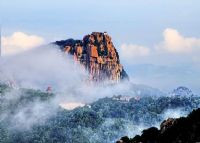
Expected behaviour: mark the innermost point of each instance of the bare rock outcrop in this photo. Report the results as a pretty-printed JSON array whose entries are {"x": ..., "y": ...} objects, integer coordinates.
[{"x": 97, "y": 54}]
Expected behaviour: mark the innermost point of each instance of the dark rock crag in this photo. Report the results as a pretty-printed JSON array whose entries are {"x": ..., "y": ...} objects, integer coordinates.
[
  {"x": 181, "y": 130},
  {"x": 97, "y": 54}
]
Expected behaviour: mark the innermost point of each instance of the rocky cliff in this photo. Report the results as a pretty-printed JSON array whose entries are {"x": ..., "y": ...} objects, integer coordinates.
[{"x": 97, "y": 54}]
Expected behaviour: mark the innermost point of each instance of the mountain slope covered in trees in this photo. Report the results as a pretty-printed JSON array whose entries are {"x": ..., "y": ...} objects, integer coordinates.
[{"x": 105, "y": 120}]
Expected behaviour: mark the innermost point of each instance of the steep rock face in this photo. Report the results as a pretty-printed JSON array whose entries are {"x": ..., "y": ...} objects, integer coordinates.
[{"x": 98, "y": 56}]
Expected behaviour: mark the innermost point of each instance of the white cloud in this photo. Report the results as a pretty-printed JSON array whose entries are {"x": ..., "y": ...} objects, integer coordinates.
[
  {"x": 131, "y": 51},
  {"x": 19, "y": 42},
  {"x": 174, "y": 42},
  {"x": 171, "y": 62}
]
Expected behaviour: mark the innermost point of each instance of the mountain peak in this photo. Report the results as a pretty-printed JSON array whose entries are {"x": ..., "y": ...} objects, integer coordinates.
[
  {"x": 97, "y": 54},
  {"x": 182, "y": 91}
]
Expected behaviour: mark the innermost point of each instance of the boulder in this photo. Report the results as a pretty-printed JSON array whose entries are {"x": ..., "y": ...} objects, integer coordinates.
[{"x": 166, "y": 124}]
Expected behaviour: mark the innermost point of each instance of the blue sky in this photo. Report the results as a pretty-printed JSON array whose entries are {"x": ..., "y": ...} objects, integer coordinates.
[
  {"x": 138, "y": 21},
  {"x": 138, "y": 24}
]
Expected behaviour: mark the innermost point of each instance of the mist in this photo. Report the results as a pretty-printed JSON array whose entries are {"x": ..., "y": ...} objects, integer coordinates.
[
  {"x": 47, "y": 66},
  {"x": 38, "y": 69},
  {"x": 44, "y": 67},
  {"x": 41, "y": 67}
]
